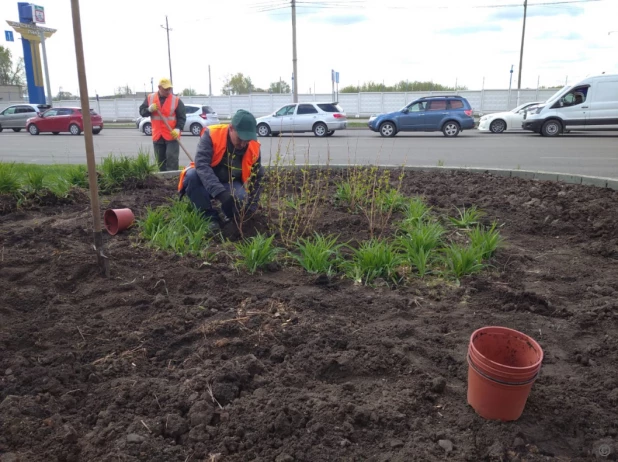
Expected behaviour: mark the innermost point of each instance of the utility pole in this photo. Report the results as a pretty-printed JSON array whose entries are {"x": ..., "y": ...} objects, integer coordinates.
[
  {"x": 295, "y": 74},
  {"x": 169, "y": 54},
  {"x": 209, "y": 82},
  {"x": 49, "y": 95},
  {"x": 523, "y": 36}
]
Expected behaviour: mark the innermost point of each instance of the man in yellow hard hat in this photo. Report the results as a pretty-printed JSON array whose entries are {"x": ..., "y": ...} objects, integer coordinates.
[{"x": 163, "y": 106}]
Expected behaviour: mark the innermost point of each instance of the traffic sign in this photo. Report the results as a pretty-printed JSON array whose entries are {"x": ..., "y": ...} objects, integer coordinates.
[
  {"x": 336, "y": 77},
  {"x": 38, "y": 14},
  {"x": 8, "y": 35}
]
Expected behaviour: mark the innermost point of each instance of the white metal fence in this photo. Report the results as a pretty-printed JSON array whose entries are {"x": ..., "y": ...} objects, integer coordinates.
[{"x": 354, "y": 104}]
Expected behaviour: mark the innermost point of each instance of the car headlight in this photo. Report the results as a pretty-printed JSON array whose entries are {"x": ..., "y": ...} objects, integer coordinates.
[{"x": 537, "y": 110}]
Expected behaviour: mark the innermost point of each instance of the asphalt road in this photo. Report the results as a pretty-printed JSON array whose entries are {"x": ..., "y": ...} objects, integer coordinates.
[{"x": 585, "y": 153}]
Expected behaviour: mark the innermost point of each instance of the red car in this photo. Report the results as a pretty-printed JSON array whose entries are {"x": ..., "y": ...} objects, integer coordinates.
[{"x": 63, "y": 119}]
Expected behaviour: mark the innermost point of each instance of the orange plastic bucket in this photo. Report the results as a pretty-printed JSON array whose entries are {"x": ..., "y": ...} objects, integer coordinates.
[{"x": 502, "y": 367}]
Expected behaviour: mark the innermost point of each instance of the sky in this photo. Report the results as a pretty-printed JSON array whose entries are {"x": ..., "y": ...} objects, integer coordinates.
[{"x": 465, "y": 42}]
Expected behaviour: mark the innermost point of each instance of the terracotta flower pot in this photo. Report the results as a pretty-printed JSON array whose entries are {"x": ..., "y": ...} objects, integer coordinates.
[
  {"x": 117, "y": 220},
  {"x": 502, "y": 367}
]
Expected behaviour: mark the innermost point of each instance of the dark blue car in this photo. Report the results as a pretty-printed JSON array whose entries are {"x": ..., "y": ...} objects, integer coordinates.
[{"x": 448, "y": 114}]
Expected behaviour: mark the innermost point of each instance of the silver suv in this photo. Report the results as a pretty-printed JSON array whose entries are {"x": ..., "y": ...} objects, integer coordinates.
[
  {"x": 15, "y": 116},
  {"x": 320, "y": 118}
]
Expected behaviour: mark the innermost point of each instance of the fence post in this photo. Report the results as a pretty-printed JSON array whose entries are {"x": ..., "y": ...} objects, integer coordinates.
[
  {"x": 358, "y": 107},
  {"x": 115, "y": 109},
  {"x": 230, "y": 96},
  {"x": 482, "y": 94},
  {"x": 382, "y": 105}
]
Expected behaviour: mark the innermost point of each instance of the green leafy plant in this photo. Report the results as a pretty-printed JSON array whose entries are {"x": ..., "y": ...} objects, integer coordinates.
[
  {"x": 35, "y": 181},
  {"x": 256, "y": 252},
  {"x": 116, "y": 171},
  {"x": 352, "y": 193},
  {"x": 416, "y": 212},
  {"x": 392, "y": 200},
  {"x": 9, "y": 180},
  {"x": 77, "y": 176},
  {"x": 486, "y": 240},
  {"x": 318, "y": 254},
  {"x": 178, "y": 228},
  {"x": 460, "y": 260},
  {"x": 467, "y": 217},
  {"x": 374, "y": 259},
  {"x": 291, "y": 196}
]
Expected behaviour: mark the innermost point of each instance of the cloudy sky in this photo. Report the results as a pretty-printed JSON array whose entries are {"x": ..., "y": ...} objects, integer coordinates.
[{"x": 446, "y": 41}]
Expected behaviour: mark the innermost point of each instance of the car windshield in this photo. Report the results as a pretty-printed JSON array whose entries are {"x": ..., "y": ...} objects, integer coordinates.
[
  {"x": 520, "y": 107},
  {"x": 556, "y": 95}
]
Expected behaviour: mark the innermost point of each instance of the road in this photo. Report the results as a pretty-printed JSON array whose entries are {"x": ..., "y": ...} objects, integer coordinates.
[{"x": 591, "y": 153}]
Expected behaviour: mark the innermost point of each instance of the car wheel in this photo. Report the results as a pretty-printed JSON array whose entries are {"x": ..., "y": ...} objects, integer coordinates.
[
  {"x": 1, "y": 129},
  {"x": 55, "y": 133},
  {"x": 96, "y": 132},
  {"x": 451, "y": 129},
  {"x": 33, "y": 129},
  {"x": 497, "y": 126},
  {"x": 196, "y": 129},
  {"x": 388, "y": 129},
  {"x": 263, "y": 130},
  {"x": 74, "y": 129},
  {"x": 551, "y": 128},
  {"x": 331, "y": 133},
  {"x": 148, "y": 129},
  {"x": 17, "y": 130},
  {"x": 320, "y": 129}
]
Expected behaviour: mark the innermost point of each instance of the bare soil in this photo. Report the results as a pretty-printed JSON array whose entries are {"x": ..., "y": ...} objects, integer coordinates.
[{"x": 177, "y": 359}]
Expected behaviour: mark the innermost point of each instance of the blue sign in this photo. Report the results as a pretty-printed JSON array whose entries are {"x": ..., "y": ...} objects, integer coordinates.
[
  {"x": 336, "y": 77},
  {"x": 8, "y": 35}
]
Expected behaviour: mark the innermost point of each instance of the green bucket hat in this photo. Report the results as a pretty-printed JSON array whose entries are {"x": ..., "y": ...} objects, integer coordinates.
[{"x": 245, "y": 125}]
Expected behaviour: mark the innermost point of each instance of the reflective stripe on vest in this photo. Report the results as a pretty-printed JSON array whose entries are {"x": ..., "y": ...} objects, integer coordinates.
[{"x": 166, "y": 112}]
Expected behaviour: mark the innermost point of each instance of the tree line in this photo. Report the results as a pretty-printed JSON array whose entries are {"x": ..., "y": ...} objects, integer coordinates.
[
  {"x": 401, "y": 86},
  {"x": 11, "y": 74}
]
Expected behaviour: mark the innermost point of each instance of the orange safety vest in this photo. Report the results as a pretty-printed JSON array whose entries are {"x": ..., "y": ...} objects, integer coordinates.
[
  {"x": 167, "y": 112},
  {"x": 218, "y": 135}
]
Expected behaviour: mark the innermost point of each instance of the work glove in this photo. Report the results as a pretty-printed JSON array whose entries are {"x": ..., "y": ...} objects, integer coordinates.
[
  {"x": 153, "y": 107},
  {"x": 227, "y": 203},
  {"x": 175, "y": 134}
]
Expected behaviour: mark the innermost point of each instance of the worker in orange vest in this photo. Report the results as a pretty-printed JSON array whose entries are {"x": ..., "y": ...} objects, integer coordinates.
[
  {"x": 227, "y": 168},
  {"x": 159, "y": 106}
]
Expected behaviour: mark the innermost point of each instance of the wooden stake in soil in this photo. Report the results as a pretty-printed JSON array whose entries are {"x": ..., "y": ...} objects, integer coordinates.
[{"x": 92, "y": 173}]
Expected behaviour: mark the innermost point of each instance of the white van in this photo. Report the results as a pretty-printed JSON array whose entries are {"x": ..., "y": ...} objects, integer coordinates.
[{"x": 591, "y": 104}]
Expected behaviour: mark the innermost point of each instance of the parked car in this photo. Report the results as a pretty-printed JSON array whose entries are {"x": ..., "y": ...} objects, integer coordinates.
[
  {"x": 63, "y": 119},
  {"x": 198, "y": 117},
  {"x": 323, "y": 119},
  {"x": 504, "y": 121},
  {"x": 591, "y": 104},
  {"x": 15, "y": 116},
  {"x": 449, "y": 114}
]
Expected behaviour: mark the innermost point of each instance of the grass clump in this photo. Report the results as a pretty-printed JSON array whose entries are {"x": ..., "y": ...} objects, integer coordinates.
[
  {"x": 462, "y": 260},
  {"x": 417, "y": 246},
  {"x": 256, "y": 252},
  {"x": 374, "y": 259},
  {"x": 35, "y": 182},
  {"x": 116, "y": 171},
  {"x": 318, "y": 254},
  {"x": 9, "y": 180},
  {"x": 178, "y": 228},
  {"x": 467, "y": 217},
  {"x": 77, "y": 176},
  {"x": 486, "y": 240}
]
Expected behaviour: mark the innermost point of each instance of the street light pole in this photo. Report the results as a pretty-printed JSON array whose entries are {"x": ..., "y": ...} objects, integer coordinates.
[
  {"x": 169, "y": 54},
  {"x": 521, "y": 53},
  {"x": 295, "y": 72}
]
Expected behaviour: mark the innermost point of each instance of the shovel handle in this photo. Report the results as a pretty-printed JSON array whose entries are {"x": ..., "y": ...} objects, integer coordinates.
[{"x": 179, "y": 142}]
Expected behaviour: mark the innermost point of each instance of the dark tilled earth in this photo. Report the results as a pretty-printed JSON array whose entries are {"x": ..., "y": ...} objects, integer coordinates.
[{"x": 176, "y": 359}]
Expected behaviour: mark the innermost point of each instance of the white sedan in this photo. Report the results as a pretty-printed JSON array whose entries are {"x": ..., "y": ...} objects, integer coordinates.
[
  {"x": 198, "y": 117},
  {"x": 503, "y": 121}
]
